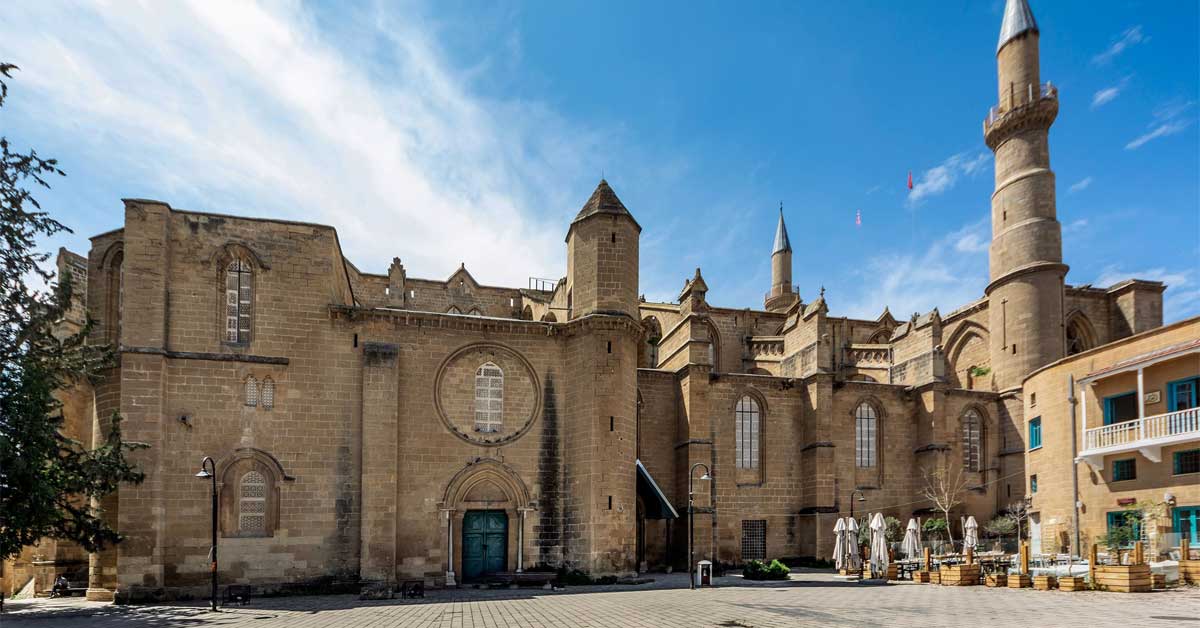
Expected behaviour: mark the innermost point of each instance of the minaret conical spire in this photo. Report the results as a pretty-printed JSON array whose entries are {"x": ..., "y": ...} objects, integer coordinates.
[
  {"x": 1018, "y": 19},
  {"x": 781, "y": 237}
]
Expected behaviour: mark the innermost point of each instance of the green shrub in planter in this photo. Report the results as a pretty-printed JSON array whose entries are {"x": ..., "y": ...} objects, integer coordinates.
[{"x": 757, "y": 570}]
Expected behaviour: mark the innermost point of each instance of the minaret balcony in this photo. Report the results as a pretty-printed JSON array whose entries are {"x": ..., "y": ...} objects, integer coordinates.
[{"x": 1035, "y": 106}]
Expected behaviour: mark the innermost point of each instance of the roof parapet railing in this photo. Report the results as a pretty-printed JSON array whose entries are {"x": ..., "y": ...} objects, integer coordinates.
[
  {"x": 542, "y": 284},
  {"x": 1045, "y": 91}
]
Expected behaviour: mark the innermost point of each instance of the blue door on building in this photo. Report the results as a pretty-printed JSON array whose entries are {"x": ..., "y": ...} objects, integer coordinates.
[
  {"x": 485, "y": 543},
  {"x": 1187, "y": 520}
]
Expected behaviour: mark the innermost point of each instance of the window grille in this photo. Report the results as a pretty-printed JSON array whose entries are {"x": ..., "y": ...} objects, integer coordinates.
[
  {"x": 972, "y": 436},
  {"x": 754, "y": 539},
  {"x": 489, "y": 398},
  {"x": 267, "y": 396},
  {"x": 251, "y": 391},
  {"x": 252, "y": 503},
  {"x": 866, "y": 434},
  {"x": 238, "y": 297},
  {"x": 747, "y": 420}
]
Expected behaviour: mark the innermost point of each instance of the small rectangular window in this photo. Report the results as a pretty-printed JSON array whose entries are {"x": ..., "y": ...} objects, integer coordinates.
[
  {"x": 1124, "y": 470},
  {"x": 610, "y": 502},
  {"x": 1187, "y": 461},
  {"x": 1035, "y": 433},
  {"x": 1032, "y": 400},
  {"x": 612, "y": 423},
  {"x": 754, "y": 539},
  {"x": 1033, "y": 484}
]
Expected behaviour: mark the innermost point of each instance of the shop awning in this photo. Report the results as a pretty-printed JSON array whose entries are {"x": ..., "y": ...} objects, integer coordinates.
[{"x": 656, "y": 503}]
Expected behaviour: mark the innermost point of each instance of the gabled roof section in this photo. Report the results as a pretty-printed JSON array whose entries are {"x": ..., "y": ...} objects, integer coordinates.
[
  {"x": 1018, "y": 19},
  {"x": 463, "y": 274},
  {"x": 782, "y": 244},
  {"x": 604, "y": 201}
]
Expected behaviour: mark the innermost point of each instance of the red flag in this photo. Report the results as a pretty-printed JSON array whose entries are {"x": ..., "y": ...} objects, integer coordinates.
[
  {"x": 910, "y": 179},
  {"x": 858, "y": 218}
]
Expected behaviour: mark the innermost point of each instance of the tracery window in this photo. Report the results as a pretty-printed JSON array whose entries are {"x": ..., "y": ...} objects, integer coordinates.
[
  {"x": 252, "y": 503},
  {"x": 972, "y": 440},
  {"x": 489, "y": 398},
  {"x": 239, "y": 279},
  {"x": 747, "y": 421},
  {"x": 866, "y": 430}
]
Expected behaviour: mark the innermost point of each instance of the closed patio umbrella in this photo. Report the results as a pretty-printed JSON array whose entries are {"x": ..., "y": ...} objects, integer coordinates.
[
  {"x": 970, "y": 533},
  {"x": 839, "y": 544},
  {"x": 879, "y": 549},
  {"x": 911, "y": 546},
  {"x": 852, "y": 544}
]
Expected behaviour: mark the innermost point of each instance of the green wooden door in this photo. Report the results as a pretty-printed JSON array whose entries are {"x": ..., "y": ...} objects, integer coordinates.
[{"x": 485, "y": 543}]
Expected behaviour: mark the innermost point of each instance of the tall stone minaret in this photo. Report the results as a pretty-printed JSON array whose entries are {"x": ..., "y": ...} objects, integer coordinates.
[
  {"x": 1026, "y": 290},
  {"x": 782, "y": 295}
]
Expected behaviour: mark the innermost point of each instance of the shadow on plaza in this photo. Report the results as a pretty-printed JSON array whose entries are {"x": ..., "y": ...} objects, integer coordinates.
[{"x": 196, "y": 613}]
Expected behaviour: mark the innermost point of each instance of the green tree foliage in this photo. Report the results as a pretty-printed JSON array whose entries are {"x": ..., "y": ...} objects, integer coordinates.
[
  {"x": 48, "y": 483},
  {"x": 758, "y": 570}
]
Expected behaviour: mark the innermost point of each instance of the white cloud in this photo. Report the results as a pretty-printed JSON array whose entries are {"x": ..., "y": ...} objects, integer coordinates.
[
  {"x": 1130, "y": 37},
  {"x": 1075, "y": 226},
  {"x": 1182, "y": 298},
  {"x": 1169, "y": 121},
  {"x": 249, "y": 109},
  {"x": 1081, "y": 185},
  {"x": 1106, "y": 95},
  {"x": 950, "y": 273},
  {"x": 940, "y": 178}
]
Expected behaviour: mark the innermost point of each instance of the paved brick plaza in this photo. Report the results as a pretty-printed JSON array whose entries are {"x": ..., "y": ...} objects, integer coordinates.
[{"x": 808, "y": 600}]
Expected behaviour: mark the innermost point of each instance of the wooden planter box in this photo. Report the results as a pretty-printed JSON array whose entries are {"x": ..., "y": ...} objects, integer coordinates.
[
  {"x": 1044, "y": 583},
  {"x": 850, "y": 572},
  {"x": 893, "y": 571},
  {"x": 935, "y": 577},
  {"x": 1071, "y": 583},
  {"x": 960, "y": 575},
  {"x": 996, "y": 580},
  {"x": 1123, "y": 578},
  {"x": 1189, "y": 571},
  {"x": 921, "y": 576},
  {"x": 1019, "y": 581},
  {"x": 1158, "y": 580}
]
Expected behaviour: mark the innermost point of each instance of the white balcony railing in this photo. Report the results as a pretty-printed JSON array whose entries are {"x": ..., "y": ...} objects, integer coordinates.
[{"x": 1149, "y": 431}]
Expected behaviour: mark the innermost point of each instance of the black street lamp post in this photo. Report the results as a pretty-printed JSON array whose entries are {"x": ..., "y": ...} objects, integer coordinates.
[
  {"x": 208, "y": 471},
  {"x": 691, "y": 521},
  {"x": 855, "y": 550}
]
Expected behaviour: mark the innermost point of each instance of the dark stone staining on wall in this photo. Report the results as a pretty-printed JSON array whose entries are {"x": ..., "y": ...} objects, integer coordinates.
[
  {"x": 345, "y": 508},
  {"x": 550, "y": 519}
]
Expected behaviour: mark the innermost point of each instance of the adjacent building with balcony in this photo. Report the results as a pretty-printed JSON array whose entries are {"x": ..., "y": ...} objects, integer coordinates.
[{"x": 1113, "y": 440}]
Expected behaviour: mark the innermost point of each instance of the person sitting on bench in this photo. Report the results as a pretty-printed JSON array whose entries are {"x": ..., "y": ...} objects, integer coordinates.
[{"x": 62, "y": 588}]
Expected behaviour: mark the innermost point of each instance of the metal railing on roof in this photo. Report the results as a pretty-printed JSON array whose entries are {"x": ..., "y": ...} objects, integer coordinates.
[
  {"x": 542, "y": 284},
  {"x": 1018, "y": 99}
]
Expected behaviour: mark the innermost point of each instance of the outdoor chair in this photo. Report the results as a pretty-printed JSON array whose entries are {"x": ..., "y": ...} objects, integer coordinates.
[
  {"x": 236, "y": 594},
  {"x": 413, "y": 589}
]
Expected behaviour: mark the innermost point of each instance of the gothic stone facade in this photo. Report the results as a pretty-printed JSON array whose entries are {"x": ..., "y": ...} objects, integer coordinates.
[{"x": 381, "y": 426}]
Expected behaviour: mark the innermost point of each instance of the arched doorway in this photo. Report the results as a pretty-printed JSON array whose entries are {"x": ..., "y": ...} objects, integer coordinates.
[{"x": 486, "y": 505}]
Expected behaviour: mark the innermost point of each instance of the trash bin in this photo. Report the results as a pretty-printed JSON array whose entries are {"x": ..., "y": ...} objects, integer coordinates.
[{"x": 704, "y": 573}]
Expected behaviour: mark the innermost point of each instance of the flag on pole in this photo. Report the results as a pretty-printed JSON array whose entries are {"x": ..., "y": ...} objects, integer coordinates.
[
  {"x": 910, "y": 179},
  {"x": 858, "y": 218}
]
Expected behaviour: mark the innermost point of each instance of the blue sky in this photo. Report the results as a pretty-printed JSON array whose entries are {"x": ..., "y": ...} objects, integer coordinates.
[{"x": 451, "y": 132}]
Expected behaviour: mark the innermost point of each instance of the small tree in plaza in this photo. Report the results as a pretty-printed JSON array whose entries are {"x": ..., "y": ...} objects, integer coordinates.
[
  {"x": 945, "y": 490},
  {"x": 49, "y": 483}
]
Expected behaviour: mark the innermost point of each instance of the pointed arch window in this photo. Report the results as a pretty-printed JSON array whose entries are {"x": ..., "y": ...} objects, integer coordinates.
[
  {"x": 252, "y": 503},
  {"x": 866, "y": 435},
  {"x": 747, "y": 421},
  {"x": 1079, "y": 336},
  {"x": 489, "y": 398},
  {"x": 239, "y": 297},
  {"x": 251, "y": 391},
  {"x": 972, "y": 440}
]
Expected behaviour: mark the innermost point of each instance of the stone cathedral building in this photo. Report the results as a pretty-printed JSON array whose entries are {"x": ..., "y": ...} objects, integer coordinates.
[{"x": 384, "y": 426}]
